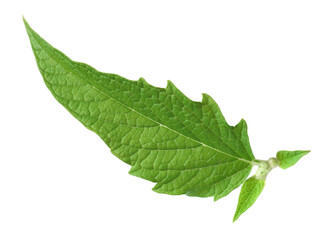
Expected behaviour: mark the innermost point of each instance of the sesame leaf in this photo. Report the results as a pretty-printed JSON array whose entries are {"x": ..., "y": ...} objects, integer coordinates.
[{"x": 183, "y": 146}]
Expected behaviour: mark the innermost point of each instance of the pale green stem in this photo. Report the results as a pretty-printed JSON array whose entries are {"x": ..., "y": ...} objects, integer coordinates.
[{"x": 265, "y": 167}]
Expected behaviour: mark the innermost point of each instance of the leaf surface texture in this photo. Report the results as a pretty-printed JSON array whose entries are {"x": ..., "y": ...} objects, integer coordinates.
[
  {"x": 185, "y": 147},
  {"x": 289, "y": 158},
  {"x": 250, "y": 191}
]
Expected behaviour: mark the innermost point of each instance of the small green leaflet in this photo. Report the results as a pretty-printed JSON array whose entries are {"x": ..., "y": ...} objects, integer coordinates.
[
  {"x": 184, "y": 147},
  {"x": 289, "y": 158},
  {"x": 250, "y": 190}
]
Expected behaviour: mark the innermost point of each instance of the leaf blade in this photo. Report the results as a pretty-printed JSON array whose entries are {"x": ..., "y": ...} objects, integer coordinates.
[
  {"x": 250, "y": 191},
  {"x": 148, "y": 127},
  {"x": 289, "y": 158}
]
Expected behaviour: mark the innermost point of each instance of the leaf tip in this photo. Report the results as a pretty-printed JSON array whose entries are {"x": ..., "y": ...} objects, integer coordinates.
[
  {"x": 206, "y": 98},
  {"x": 142, "y": 80},
  {"x": 157, "y": 187},
  {"x": 217, "y": 197},
  {"x": 241, "y": 124},
  {"x": 171, "y": 86},
  {"x": 27, "y": 27},
  {"x": 26, "y": 24},
  {"x": 235, "y": 217}
]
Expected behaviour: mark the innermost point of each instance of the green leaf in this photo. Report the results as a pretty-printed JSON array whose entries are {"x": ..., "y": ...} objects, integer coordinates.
[
  {"x": 250, "y": 191},
  {"x": 185, "y": 147},
  {"x": 289, "y": 158}
]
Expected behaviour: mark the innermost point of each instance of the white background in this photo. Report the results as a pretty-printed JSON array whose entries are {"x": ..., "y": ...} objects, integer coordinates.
[{"x": 268, "y": 62}]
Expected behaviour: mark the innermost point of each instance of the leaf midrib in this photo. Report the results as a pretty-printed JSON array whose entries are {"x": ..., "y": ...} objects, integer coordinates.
[{"x": 160, "y": 124}]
